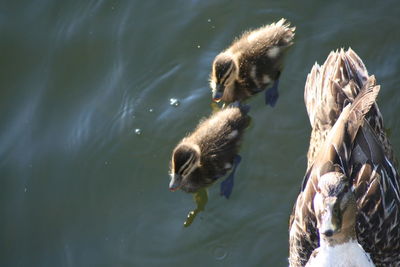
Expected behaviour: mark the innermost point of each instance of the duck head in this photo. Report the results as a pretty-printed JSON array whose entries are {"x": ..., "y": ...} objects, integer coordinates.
[
  {"x": 335, "y": 208},
  {"x": 185, "y": 166},
  {"x": 223, "y": 75}
]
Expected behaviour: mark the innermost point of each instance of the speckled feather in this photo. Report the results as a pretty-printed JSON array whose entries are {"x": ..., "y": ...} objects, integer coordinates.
[
  {"x": 343, "y": 74},
  {"x": 218, "y": 138},
  {"x": 368, "y": 160},
  {"x": 258, "y": 56}
]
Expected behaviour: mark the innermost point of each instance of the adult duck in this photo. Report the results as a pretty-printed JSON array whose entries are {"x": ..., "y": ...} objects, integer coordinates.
[{"x": 367, "y": 160}]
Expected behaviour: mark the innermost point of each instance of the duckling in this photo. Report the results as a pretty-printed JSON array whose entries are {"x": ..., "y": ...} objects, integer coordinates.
[
  {"x": 336, "y": 209},
  {"x": 251, "y": 64},
  {"x": 210, "y": 152}
]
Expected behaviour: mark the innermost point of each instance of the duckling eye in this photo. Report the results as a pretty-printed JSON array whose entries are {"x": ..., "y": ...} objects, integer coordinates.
[
  {"x": 223, "y": 70},
  {"x": 183, "y": 161}
]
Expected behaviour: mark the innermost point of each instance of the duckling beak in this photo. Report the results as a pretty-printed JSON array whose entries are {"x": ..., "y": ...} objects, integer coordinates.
[
  {"x": 175, "y": 184},
  {"x": 218, "y": 93}
]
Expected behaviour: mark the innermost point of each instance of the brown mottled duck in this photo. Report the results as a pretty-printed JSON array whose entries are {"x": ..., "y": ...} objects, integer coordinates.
[{"x": 360, "y": 151}]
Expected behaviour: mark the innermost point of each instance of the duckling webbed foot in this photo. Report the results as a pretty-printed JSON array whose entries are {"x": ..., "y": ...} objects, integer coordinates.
[
  {"x": 201, "y": 199},
  {"x": 272, "y": 94},
  {"x": 227, "y": 184}
]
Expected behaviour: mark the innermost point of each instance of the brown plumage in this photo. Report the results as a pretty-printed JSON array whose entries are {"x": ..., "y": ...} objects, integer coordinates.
[
  {"x": 252, "y": 63},
  {"x": 361, "y": 151},
  {"x": 208, "y": 153},
  {"x": 327, "y": 88}
]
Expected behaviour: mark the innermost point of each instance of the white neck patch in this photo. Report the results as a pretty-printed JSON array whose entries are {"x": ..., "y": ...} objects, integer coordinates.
[{"x": 343, "y": 255}]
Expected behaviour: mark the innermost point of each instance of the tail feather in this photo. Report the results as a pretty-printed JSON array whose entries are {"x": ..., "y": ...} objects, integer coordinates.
[
  {"x": 328, "y": 89},
  {"x": 361, "y": 105}
]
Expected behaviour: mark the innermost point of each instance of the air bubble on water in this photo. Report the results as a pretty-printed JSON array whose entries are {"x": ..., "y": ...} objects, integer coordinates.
[
  {"x": 174, "y": 102},
  {"x": 151, "y": 110},
  {"x": 209, "y": 20},
  {"x": 138, "y": 131}
]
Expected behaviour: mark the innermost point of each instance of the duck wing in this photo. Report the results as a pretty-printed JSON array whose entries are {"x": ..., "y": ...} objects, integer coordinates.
[
  {"x": 376, "y": 185},
  {"x": 356, "y": 69}
]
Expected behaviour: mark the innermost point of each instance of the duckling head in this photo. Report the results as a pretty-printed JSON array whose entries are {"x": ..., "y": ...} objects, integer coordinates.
[
  {"x": 185, "y": 166},
  {"x": 335, "y": 208},
  {"x": 223, "y": 75}
]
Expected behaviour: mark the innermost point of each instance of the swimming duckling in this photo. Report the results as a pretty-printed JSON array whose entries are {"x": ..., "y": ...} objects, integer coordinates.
[
  {"x": 209, "y": 152},
  {"x": 336, "y": 209},
  {"x": 251, "y": 64}
]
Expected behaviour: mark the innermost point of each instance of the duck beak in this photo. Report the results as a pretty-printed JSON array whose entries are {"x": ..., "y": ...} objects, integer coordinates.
[
  {"x": 175, "y": 182},
  {"x": 218, "y": 93},
  {"x": 330, "y": 224}
]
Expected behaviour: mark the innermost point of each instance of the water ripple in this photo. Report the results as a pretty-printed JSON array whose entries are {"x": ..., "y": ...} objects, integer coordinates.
[{"x": 68, "y": 26}]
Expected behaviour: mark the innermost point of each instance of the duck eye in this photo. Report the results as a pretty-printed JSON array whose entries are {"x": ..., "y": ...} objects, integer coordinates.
[
  {"x": 335, "y": 210},
  {"x": 184, "y": 158},
  {"x": 223, "y": 69}
]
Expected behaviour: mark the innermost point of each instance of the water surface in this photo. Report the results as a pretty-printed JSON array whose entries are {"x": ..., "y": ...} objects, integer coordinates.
[{"x": 81, "y": 79}]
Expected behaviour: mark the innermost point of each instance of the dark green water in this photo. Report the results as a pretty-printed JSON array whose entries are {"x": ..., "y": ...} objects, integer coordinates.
[{"x": 78, "y": 186}]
